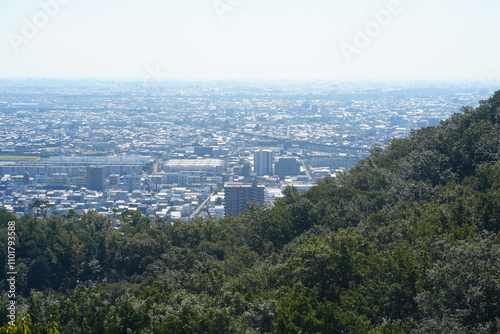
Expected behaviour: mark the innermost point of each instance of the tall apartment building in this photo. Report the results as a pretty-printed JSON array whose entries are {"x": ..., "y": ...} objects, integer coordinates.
[
  {"x": 95, "y": 178},
  {"x": 238, "y": 194},
  {"x": 263, "y": 162},
  {"x": 131, "y": 182},
  {"x": 287, "y": 167}
]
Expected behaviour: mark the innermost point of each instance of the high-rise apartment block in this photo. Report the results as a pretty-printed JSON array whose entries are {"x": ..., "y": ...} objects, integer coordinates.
[
  {"x": 288, "y": 166},
  {"x": 95, "y": 178},
  {"x": 263, "y": 162},
  {"x": 237, "y": 195}
]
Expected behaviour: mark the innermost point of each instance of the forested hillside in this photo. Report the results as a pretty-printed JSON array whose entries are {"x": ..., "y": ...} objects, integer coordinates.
[{"x": 406, "y": 242}]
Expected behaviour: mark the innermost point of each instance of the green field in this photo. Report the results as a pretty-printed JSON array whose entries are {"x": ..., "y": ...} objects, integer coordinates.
[{"x": 18, "y": 158}]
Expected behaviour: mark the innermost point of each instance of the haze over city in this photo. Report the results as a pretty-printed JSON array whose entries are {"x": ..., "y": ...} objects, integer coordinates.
[
  {"x": 250, "y": 166},
  {"x": 183, "y": 98},
  {"x": 250, "y": 39}
]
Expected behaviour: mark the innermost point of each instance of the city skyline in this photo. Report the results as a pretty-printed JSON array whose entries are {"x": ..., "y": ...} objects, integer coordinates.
[
  {"x": 170, "y": 150},
  {"x": 242, "y": 39}
]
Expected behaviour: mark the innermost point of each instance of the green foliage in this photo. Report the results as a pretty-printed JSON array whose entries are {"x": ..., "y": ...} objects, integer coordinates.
[
  {"x": 406, "y": 242},
  {"x": 6, "y": 216}
]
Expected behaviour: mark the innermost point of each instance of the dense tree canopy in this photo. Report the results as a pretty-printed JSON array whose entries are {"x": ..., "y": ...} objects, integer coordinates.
[{"x": 406, "y": 242}]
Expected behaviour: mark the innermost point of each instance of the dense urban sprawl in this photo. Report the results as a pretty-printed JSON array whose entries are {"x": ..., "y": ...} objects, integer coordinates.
[{"x": 171, "y": 149}]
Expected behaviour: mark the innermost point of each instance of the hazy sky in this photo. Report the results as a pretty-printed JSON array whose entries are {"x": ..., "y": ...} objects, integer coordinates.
[{"x": 251, "y": 39}]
